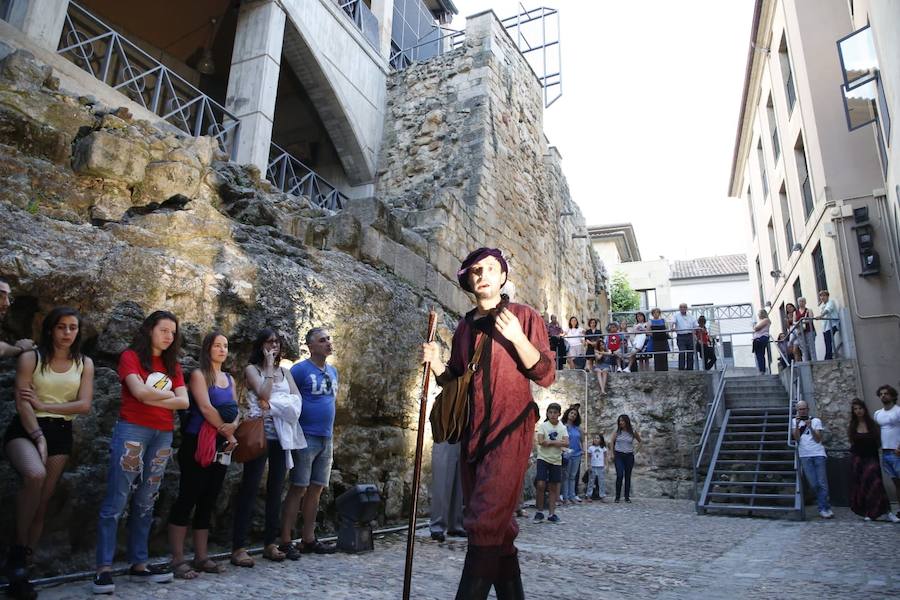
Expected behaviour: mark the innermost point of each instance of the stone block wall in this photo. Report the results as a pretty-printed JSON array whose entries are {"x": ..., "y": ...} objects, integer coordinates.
[
  {"x": 667, "y": 409},
  {"x": 465, "y": 164}
]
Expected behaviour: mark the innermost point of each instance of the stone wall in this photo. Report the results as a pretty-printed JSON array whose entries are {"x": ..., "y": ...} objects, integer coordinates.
[
  {"x": 667, "y": 409},
  {"x": 834, "y": 386},
  {"x": 465, "y": 164}
]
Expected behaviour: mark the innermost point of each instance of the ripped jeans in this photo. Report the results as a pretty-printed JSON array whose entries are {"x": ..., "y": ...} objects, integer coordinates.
[{"x": 137, "y": 462}]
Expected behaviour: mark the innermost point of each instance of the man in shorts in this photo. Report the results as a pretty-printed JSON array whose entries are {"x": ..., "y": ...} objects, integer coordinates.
[{"x": 317, "y": 382}]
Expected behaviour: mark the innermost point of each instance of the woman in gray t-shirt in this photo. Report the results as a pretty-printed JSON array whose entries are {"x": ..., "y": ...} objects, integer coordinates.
[{"x": 623, "y": 442}]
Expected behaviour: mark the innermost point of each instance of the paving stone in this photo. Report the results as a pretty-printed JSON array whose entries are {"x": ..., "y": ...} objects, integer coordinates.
[{"x": 654, "y": 548}]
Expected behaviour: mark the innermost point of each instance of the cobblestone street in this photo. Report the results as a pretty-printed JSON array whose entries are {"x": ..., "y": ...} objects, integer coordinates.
[{"x": 651, "y": 549}]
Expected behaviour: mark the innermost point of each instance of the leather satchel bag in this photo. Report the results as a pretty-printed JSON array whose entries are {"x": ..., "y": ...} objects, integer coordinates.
[
  {"x": 450, "y": 413},
  {"x": 251, "y": 438}
]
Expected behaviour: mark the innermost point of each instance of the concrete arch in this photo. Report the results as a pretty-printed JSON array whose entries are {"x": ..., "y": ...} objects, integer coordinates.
[{"x": 344, "y": 77}]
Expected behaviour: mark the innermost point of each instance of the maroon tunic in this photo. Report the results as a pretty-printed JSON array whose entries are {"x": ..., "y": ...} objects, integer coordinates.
[{"x": 498, "y": 440}]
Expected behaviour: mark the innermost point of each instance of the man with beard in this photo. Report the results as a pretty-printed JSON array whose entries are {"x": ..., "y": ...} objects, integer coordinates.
[{"x": 496, "y": 444}]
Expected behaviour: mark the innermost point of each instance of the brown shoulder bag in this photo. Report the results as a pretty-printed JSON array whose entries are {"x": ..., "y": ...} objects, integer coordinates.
[{"x": 450, "y": 413}]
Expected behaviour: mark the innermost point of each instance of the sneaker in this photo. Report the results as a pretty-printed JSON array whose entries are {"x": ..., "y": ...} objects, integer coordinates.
[
  {"x": 891, "y": 517},
  {"x": 103, "y": 583},
  {"x": 438, "y": 536},
  {"x": 577, "y": 499},
  {"x": 538, "y": 517},
  {"x": 554, "y": 518},
  {"x": 317, "y": 547},
  {"x": 290, "y": 551},
  {"x": 826, "y": 514},
  {"x": 152, "y": 574},
  {"x": 626, "y": 370},
  {"x": 867, "y": 519},
  {"x": 618, "y": 369}
]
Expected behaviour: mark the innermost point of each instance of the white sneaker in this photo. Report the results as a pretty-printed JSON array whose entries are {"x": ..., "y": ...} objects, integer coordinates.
[
  {"x": 891, "y": 517},
  {"x": 626, "y": 370},
  {"x": 578, "y": 499},
  {"x": 826, "y": 514},
  {"x": 867, "y": 519},
  {"x": 618, "y": 369}
]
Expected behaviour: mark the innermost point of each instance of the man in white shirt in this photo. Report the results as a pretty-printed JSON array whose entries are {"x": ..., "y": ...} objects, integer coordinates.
[
  {"x": 828, "y": 310},
  {"x": 685, "y": 327},
  {"x": 808, "y": 434},
  {"x": 888, "y": 418}
]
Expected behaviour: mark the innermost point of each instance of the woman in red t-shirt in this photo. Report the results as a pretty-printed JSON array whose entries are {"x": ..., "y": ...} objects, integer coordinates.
[{"x": 152, "y": 389}]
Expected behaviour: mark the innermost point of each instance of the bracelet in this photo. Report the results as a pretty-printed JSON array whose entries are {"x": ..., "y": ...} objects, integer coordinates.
[{"x": 36, "y": 434}]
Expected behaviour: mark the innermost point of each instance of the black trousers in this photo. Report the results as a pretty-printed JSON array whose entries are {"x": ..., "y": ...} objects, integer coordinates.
[{"x": 198, "y": 487}]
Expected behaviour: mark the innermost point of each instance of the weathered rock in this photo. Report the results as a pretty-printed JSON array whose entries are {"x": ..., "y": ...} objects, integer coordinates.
[
  {"x": 112, "y": 202},
  {"x": 102, "y": 154},
  {"x": 162, "y": 180}
]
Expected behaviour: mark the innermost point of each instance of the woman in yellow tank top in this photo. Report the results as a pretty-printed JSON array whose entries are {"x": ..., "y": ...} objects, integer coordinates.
[{"x": 54, "y": 383}]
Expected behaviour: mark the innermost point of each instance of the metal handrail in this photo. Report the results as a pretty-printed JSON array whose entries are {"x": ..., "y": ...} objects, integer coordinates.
[
  {"x": 293, "y": 177},
  {"x": 707, "y": 482},
  {"x": 361, "y": 16},
  {"x": 100, "y": 50},
  {"x": 710, "y": 418},
  {"x": 403, "y": 57}
]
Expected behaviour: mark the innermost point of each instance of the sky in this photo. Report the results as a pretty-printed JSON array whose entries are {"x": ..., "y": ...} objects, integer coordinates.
[{"x": 647, "y": 120}]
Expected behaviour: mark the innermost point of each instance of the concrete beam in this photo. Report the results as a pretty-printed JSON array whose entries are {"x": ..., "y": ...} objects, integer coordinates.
[
  {"x": 384, "y": 12},
  {"x": 253, "y": 80},
  {"x": 41, "y": 20}
]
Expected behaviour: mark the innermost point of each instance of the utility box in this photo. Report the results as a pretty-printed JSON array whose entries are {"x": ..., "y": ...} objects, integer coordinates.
[{"x": 357, "y": 508}]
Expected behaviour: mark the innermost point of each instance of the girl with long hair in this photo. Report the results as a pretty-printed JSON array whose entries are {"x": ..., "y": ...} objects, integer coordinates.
[
  {"x": 641, "y": 341},
  {"x": 575, "y": 339},
  {"x": 204, "y": 455},
  {"x": 141, "y": 445},
  {"x": 572, "y": 420},
  {"x": 54, "y": 384},
  {"x": 868, "y": 498},
  {"x": 623, "y": 441},
  {"x": 265, "y": 377}
]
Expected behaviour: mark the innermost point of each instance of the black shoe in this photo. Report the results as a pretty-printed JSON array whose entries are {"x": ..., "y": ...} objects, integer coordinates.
[
  {"x": 437, "y": 536},
  {"x": 152, "y": 574},
  {"x": 459, "y": 533},
  {"x": 103, "y": 583},
  {"x": 290, "y": 551},
  {"x": 17, "y": 574},
  {"x": 628, "y": 500},
  {"x": 317, "y": 547},
  {"x": 617, "y": 500}
]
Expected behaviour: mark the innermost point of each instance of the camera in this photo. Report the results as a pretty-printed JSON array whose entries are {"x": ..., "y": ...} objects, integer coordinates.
[{"x": 223, "y": 458}]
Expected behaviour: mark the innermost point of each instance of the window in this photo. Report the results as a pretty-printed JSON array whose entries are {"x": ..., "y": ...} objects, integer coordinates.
[
  {"x": 773, "y": 127},
  {"x": 787, "y": 74},
  {"x": 798, "y": 292},
  {"x": 5, "y": 5},
  {"x": 647, "y": 299},
  {"x": 803, "y": 176},
  {"x": 762, "y": 169},
  {"x": 414, "y": 32},
  {"x": 759, "y": 283},
  {"x": 863, "y": 91},
  {"x": 752, "y": 216},
  {"x": 819, "y": 268},
  {"x": 786, "y": 219},
  {"x": 773, "y": 248}
]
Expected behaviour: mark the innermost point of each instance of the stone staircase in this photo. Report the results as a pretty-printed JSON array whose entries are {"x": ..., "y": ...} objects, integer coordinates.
[{"x": 753, "y": 470}]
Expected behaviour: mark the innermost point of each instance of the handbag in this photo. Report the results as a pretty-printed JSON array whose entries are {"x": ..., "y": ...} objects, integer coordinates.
[
  {"x": 450, "y": 413},
  {"x": 251, "y": 438}
]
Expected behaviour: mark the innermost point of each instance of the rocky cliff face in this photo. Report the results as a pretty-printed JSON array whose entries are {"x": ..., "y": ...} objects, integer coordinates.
[{"x": 118, "y": 218}]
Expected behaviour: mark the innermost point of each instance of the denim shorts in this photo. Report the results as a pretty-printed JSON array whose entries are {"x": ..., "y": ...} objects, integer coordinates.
[
  {"x": 891, "y": 463},
  {"x": 547, "y": 472},
  {"x": 313, "y": 463}
]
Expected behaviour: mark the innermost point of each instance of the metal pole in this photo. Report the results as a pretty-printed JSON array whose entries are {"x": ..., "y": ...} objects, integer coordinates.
[{"x": 417, "y": 467}]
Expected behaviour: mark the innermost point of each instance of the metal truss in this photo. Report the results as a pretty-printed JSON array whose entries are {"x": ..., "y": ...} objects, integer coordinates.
[
  {"x": 104, "y": 53},
  {"x": 536, "y": 33},
  {"x": 293, "y": 177}
]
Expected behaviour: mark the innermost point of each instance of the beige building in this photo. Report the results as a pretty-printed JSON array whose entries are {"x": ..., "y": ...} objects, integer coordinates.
[{"x": 823, "y": 213}]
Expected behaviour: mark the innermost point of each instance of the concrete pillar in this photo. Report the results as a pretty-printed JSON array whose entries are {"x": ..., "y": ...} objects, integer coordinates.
[
  {"x": 384, "y": 12},
  {"x": 40, "y": 20},
  {"x": 253, "y": 80}
]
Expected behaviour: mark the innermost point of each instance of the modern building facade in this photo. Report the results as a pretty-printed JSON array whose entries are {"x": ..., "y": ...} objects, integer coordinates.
[
  {"x": 295, "y": 87},
  {"x": 813, "y": 164}
]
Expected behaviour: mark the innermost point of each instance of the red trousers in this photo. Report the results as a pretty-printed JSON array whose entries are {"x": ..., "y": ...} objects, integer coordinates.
[{"x": 492, "y": 490}]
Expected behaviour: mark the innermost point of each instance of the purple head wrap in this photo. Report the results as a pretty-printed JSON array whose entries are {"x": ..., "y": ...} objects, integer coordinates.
[{"x": 476, "y": 255}]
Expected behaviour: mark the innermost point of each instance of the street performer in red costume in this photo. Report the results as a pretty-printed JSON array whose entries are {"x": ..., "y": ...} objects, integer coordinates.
[{"x": 498, "y": 441}]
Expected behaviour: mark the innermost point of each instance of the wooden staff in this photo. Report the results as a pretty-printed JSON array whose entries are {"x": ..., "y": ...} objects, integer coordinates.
[{"x": 417, "y": 468}]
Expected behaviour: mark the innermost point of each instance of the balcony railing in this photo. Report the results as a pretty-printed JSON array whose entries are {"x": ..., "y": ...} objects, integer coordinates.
[
  {"x": 437, "y": 41},
  {"x": 104, "y": 53},
  {"x": 293, "y": 177},
  {"x": 363, "y": 18}
]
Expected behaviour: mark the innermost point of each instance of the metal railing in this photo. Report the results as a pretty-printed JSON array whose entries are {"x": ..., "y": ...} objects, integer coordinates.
[
  {"x": 293, "y": 177},
  {"x": 547, "y": 67},
  {"x": 101, "y": 51},
  {"x": 714, "y": 416},
  {"x": 362, "y": 17},
  {"x": 715, "y": 312},
  {"x": 437, "y": 41}
]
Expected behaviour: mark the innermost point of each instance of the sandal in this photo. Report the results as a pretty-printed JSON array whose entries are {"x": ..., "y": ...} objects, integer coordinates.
[
  {"x": 240, "y": 558},
  {"x": 273, "y": 553},
  {"x": 183, "y": 570},
  {"x": 208, "y": 565}
]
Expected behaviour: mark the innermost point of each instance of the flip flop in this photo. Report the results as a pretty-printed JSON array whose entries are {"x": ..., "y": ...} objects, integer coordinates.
[{"x": 208, "y": 565}]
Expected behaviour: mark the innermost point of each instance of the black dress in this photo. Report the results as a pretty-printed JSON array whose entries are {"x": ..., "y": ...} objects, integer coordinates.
[
  {"x": 660, "y": 335},
  {"x": 867, "y": 495}
]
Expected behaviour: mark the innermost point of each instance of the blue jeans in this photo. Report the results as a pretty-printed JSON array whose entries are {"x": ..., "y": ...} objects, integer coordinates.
[
  {"x": 248, "y": 490},
  {"x": 570, "y": 478},
  {"x": 814, "y": 471},
  {"x": 624, "y": 464},
  {"x": 137, "y": 462},
  {"x": 600, "y": 474}
]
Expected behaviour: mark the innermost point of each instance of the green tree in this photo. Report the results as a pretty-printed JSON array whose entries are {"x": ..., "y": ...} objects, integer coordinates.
[{"x": 622, "y": 298}]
